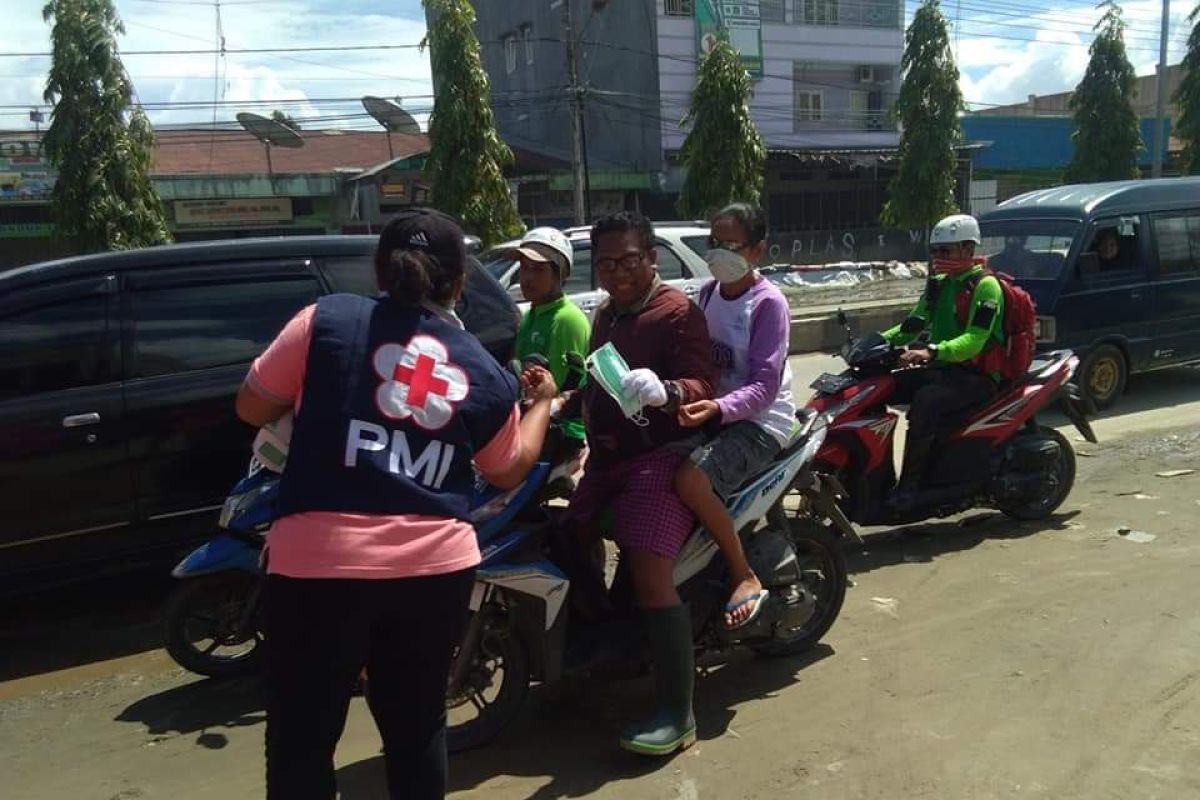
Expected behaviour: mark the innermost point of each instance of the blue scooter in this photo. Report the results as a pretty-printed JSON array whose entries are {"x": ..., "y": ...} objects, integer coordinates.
[{"x": 211, "y": 621}]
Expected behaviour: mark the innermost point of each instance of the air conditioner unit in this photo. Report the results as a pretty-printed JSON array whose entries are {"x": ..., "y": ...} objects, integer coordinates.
[{"x": 865, "y": 74}]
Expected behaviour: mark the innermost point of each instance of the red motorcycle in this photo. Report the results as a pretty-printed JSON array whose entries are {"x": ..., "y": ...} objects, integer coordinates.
[{"x": 998, "y": 458}]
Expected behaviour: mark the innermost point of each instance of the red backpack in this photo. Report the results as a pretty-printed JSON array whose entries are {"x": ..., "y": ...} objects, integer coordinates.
[{"x": 1012, "y": 358}]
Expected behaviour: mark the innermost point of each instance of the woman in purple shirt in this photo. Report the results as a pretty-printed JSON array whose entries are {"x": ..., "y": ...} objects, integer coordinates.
[{"x": 749, "y": 324}]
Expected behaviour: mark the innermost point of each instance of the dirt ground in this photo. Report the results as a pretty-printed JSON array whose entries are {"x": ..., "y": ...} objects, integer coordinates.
[{"x": 974, "y": 658}]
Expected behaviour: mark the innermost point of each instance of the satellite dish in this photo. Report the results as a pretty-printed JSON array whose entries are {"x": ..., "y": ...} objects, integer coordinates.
[
  {"x": 270, "y": 133},
  {"x": 391, "y": 116}
]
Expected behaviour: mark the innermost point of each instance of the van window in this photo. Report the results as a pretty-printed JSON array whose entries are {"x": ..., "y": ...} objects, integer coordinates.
[
  {"x": 54, "y": 347},
  {"x": 184, "y": 328},
  {"x": 1113, "y": 247},
  {"x": 1178, "y": 241},
  {"x": 1029, "y": 249}
]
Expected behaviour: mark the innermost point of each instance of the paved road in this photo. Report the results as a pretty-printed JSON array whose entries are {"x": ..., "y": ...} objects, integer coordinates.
[{"x": 1047, "y": 660}]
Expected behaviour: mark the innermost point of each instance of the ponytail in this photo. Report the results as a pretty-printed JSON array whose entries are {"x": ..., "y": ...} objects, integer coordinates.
[{"x": 413, "y": 276}]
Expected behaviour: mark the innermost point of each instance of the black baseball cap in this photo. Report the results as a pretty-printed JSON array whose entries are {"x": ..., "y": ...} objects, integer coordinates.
[{"x": 429, "y": 230}]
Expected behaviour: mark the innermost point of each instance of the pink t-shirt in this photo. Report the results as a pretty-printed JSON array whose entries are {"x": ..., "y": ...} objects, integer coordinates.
[{"x": 324, "y": 544}]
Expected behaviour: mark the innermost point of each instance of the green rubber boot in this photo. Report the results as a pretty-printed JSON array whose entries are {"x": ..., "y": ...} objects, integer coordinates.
[{"x": 673, "y": 727}]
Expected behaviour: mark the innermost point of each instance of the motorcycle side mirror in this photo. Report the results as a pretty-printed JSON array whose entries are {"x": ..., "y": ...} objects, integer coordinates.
[{"x": 844, "y": 321}]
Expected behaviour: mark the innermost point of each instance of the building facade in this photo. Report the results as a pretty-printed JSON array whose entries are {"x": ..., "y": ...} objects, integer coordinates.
[
  {"x": 218, "y": 185},
  {"x": 825, "y": 74}
]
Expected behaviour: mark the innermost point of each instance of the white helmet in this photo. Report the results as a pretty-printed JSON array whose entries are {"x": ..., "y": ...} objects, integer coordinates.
[
  {"x": 551, "y": 238},
  {"x": 955, "y": 229}
]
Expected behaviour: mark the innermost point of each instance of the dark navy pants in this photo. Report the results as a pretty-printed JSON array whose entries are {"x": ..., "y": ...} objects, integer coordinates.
[{"x": 320, "y": 633}]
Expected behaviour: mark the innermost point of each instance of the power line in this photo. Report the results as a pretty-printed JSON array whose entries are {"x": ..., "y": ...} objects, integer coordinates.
[{"x": 343, "y": 48}]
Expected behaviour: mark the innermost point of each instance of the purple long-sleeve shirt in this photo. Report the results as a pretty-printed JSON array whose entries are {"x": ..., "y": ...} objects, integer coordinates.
[{"x": 750, "y": 346}]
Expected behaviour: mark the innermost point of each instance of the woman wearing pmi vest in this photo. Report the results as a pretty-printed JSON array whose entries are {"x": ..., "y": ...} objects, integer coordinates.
[{"x": 372, "y": 559}]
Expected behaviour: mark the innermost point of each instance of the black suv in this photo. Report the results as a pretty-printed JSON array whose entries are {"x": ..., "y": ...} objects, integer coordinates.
[{"x": 118, "y": 440}]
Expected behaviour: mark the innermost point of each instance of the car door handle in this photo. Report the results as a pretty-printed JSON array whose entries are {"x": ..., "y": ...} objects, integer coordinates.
[
  {"x": 1135, "y": 295},
  {"x": 81, "y": 420}
]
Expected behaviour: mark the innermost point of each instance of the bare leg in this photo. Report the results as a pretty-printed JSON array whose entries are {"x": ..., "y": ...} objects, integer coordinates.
[{"x": 696, "y": 492}]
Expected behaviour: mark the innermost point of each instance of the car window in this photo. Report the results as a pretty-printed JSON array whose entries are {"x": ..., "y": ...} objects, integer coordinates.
[
  {"x": 670, "y": 267},
  {"x": 1178, "y": 241},
  {"x": 497, "y": 261},
  {"x": 580, "y": 279},
  {"x": 184, "y": 328},
  {"x": 581, "y": 263},
  {"x": 353, "y": 275},
  {"x": 1031, "y": 249},
  {"x": 697, "y": 244},
  {"x": 1113, "y": 247},
  {"x": 54, "y": 347}
]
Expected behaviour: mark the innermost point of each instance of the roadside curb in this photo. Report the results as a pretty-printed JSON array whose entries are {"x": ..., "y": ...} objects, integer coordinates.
[{"x": 817, "y": 330}]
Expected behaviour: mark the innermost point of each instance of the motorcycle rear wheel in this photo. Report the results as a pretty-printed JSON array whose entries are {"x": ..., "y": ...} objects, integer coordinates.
[
  {"x": 203, "y": 625},
  {"x": 821, "y": 560},
  {"x": 1042, "y": 508},
  {"x": 501, "y": 651}
]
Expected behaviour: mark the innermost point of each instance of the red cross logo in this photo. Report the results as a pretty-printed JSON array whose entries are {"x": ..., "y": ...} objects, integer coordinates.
[{"x": 420, "y": 380}]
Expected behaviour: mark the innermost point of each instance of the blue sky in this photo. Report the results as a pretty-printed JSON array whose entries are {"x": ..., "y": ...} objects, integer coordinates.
[{"x": 1007, "y": 49}]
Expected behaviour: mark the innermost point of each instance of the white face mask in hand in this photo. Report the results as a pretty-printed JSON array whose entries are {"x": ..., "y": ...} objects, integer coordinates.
[
  {"x": 608, "y": 368},
  {"x": 726, "y": 266}
]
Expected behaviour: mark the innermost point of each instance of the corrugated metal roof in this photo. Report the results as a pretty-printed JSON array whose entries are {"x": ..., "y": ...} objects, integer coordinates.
[{"x": 236, "y": 152}]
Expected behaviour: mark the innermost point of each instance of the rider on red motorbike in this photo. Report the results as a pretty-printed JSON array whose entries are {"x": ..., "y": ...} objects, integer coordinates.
[{"x": 958, "y": 380}]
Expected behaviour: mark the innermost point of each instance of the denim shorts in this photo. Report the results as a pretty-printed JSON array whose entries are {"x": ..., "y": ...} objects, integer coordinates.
[{"x": 736, "y": 454}]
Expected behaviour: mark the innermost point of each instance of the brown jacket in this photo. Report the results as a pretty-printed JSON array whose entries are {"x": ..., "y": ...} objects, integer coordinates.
[{"x": 669, "y": 335}]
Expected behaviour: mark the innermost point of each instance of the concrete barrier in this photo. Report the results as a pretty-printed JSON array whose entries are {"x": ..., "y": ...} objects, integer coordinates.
[{"x": 817, "y": 330}]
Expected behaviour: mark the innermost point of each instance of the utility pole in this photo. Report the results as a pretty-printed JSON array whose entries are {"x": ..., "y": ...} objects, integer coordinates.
[
  {"x": 575, "y": 99},
  {"x": 1160, "y": 106}
]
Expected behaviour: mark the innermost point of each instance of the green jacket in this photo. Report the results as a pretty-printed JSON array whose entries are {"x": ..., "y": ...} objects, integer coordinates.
[
  {"x": 956, "y": 344},
  {"x": 553, "y": 330}
]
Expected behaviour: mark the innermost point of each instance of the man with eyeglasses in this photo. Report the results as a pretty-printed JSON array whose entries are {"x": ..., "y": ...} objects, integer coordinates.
[
  {"x": 960, "y": 323},
  {"x": 663, "y": 338}
]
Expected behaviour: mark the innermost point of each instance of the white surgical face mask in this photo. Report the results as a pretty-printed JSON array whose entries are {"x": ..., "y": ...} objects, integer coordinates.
[{"x": 726, "y": 266}]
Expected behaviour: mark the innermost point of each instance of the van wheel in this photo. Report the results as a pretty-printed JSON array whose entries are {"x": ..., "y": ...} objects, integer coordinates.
[{"x": 1102, "y": 376}]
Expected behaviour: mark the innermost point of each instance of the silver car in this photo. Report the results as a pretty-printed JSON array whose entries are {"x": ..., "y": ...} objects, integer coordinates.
[{"x": 681, "y": 247}]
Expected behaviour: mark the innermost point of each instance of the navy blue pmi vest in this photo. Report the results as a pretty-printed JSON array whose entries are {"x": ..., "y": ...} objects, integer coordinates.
[{"x": 396, "y": 402}]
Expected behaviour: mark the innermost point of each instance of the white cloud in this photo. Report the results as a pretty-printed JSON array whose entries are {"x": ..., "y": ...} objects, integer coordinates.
[
  {"x": 994, "y": 70},
  {"x": 300, "y": 83},
  {"x": 999, "y": 70}
]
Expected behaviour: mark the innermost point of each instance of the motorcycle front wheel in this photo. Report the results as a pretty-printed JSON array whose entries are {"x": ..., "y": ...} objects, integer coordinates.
[
  {"x": 823, "y": 573},
  {"x": 211, "y": 624},
  {"x": 493, "y": 688}
]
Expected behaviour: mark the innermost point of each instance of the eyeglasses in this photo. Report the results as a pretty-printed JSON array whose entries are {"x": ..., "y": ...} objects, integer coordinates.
[
  {"x": 627, "y": 263},
  {"x": 716, "y": 244},
  {"x": 941, "y": 250}
]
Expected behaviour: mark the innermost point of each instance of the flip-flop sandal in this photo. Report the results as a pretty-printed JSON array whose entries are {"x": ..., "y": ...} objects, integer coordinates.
[{"x": 756, "y": 599}]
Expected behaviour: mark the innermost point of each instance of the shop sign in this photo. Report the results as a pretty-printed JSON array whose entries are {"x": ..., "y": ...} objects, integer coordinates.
[
  {"x": 25, "y": 176},
  {"x": 233, "y": 213},
  {"x": 26, "y": 230}
]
